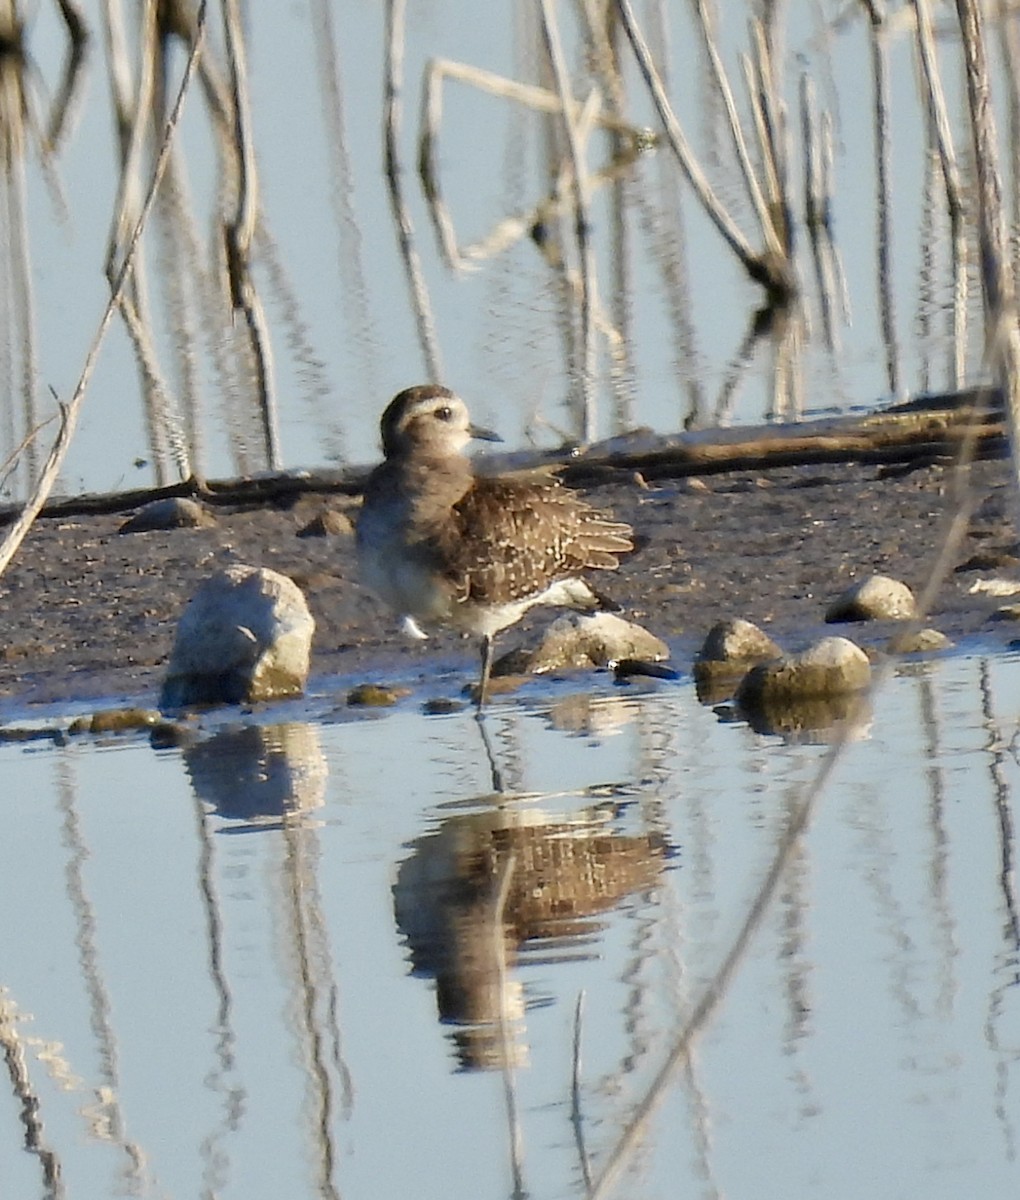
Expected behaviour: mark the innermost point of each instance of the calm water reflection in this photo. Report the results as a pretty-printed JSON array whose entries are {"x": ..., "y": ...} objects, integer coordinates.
[{"x": 326, "y": 960}]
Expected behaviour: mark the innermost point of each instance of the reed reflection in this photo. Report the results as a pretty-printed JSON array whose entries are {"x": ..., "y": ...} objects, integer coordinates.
[{"x": 268, "y": 778}]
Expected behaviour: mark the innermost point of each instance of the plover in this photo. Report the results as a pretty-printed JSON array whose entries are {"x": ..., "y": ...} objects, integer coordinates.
[{"x": 440, "y": 543}]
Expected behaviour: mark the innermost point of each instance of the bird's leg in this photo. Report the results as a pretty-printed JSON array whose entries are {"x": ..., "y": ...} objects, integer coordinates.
[{"x": 483, "y": 682}]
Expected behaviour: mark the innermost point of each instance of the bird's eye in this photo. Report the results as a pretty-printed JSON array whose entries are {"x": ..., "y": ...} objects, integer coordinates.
[{"x": 444, "y": 413}]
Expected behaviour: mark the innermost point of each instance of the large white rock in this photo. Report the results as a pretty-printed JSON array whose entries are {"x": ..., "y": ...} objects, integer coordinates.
[{"x": 245, "y": 635}]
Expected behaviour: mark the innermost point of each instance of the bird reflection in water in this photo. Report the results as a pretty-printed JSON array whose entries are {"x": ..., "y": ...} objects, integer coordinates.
[{"x": 472, "y": 894}]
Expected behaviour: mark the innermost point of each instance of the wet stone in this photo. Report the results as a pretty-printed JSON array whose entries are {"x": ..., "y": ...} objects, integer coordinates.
[
  {"x": 442, "y": 706},
  {"x": 832, "y": 666},
  {"x": 734, "y": 644},
  {"x": 579, "y": 640},
  {"x": 919, "y": 641},
  {"x": 877, "y": 598},
  {"x": 117, "y": 720},
  {"x": 375, "y": 695}
]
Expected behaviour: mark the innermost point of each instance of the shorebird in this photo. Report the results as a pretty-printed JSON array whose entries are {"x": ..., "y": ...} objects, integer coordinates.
[{"x": 440, "y": 543}]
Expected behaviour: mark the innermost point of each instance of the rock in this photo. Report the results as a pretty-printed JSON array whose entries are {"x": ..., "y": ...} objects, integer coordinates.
[
  {"x": 989, "y": 560},
  {"x": 877, "y": 598},
  {"x": 733, "y": 645},
  {"x": 630, "y": 668},
  {"x": 730, "y": 649},
  {"x": 584, "y": 640},
  {"x": 919, "y": 641},
  {"x": 245, "y": 635},
  {"x": 117, "y": 720},
  {"x": 442, "y": 706},
  {"x": 175, "y": 512},
  {"x": 375, "y": 695},
  {"x": 329, "y": 523},
  {"x": 833, "y": 666}
]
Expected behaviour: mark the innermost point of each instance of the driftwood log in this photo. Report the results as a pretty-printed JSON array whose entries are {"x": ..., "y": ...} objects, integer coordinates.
[{"x": 927, "y": 429}]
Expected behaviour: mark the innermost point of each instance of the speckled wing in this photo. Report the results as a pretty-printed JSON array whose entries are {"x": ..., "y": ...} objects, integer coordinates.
[{"x": 513, "y": 538}]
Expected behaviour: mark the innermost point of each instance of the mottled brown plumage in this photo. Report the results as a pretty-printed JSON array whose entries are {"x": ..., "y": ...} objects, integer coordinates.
[{"x": 439, "y": 543}]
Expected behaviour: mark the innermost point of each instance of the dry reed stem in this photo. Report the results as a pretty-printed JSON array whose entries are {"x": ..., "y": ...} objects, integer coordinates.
[
  {"x": 601, "y": 25},
  {"x": 350, "y": 251},
  {"x": 764, "y": 269},
  {"x": 767, "y": 110},
  {"x": 754, "y": 191},
  {"x": 582, "y": 223},
  {"x": 883, "y": 188},
  {"x": 69, "y": 415},
  {"x": 163, "y": 429},
  {"x": 240, "y": 230},
  {"x": 1002, "y": 334},
  {"x": 954, "y": 188},
  {"x": 396, "y": 20},
  {"x": 514, "y": 228},
  {"x": 817, "y": 211},
  {"x": 72, "y": 74},
  {"x": 1009, "y": 49}
]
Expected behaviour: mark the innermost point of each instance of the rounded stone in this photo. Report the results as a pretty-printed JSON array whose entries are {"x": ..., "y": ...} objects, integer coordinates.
[
  {"x": 584, "y": 640},
  {"x": 329, "y": 523},
  {"x": 920, "y": 641},
  {"x": 174, "y": 512},
  {"x": 734, "y": 643},
  {"x": 831, "y": 667},
  {"x": 246, "y": 635},
  {"x": 877, "y": 598}
]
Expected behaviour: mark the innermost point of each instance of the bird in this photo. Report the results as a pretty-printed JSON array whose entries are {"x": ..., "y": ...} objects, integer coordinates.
[{"x": 440, "y": 543}]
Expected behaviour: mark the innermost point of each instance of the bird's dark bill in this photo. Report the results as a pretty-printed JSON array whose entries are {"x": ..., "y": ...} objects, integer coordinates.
[{"x": 483, "y": 435}]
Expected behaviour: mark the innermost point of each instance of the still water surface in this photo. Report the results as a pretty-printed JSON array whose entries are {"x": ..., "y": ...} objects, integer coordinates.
[{"x": 269, "y": 964}]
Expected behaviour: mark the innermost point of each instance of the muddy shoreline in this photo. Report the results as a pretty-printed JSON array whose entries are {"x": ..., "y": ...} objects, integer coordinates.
[{"x": 90, "y": 613}]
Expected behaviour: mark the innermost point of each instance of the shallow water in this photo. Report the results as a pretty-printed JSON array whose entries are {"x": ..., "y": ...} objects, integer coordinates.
[{"x": 270, "y": 963}]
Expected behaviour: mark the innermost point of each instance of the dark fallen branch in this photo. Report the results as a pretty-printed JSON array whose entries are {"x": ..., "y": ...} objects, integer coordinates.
[{"x": 926, "y": 429}]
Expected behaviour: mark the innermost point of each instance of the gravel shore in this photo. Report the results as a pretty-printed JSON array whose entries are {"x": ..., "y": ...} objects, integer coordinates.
[{"x": 90, "y": 613}]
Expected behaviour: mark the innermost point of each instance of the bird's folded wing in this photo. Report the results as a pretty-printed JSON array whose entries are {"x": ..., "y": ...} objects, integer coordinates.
[{"x": 513, "y": 538}]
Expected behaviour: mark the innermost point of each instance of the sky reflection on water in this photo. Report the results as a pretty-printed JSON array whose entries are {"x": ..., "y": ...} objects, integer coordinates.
[{"x": 209, "y": 992}]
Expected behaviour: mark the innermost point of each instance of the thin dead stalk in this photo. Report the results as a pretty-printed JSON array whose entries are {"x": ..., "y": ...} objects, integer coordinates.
[
  {"x": 953, "y": 185},
  {"x": 163, "y": 430},
  {"x": 1002, "y": 333},
  {"x": 774, "y": 275},
  {"x": 754, "y": 191},
  {"x": 69, "y": 413},
  {"x": 883, "y": 185},
  {"x": 240, "y": 230},
  {"x": 396, "y": 21},
  {"x": 818, "y": 211},
  {"x": 582, "y": 223}
]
